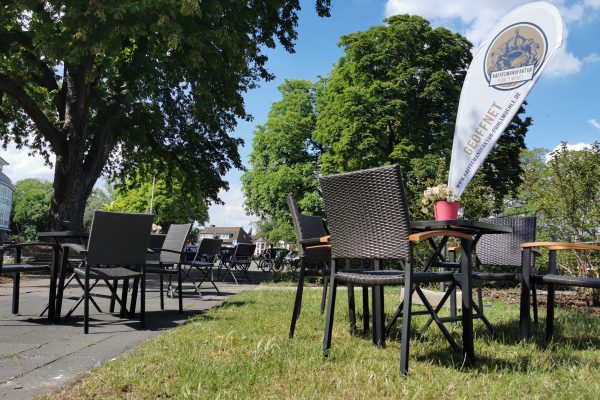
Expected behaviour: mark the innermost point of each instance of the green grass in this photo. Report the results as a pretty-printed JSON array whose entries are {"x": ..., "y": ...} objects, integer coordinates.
[{"x": 242, "y": 350}]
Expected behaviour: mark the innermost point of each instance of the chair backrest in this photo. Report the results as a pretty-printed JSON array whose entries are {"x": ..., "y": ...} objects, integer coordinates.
[
  {"x": 244, "y": 250},
  {"x": 208, "y": 249},
  {"x": 306, "y": 226},
  {"x": 156, "y": 240},
  {"x": 175, "y": 241},
  {"x": 367, "y": 214},
  {"x": 503, "y": 249},
  {"x": 119, "y": 238}
]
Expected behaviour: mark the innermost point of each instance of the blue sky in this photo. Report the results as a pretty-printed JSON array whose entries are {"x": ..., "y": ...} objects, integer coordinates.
[{"x": 564, "y": 104}]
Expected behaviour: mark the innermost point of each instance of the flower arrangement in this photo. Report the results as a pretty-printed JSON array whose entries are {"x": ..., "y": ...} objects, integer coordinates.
[
  {"x": 156, "y": 228},
  {"x": 433, "y": 194}
]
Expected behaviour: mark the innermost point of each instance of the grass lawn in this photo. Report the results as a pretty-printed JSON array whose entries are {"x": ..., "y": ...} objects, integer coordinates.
[{"x": 242, "y": 350}]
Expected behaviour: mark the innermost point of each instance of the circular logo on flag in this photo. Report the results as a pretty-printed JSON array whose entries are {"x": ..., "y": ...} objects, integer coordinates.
[{"x": 515, "y": 56}]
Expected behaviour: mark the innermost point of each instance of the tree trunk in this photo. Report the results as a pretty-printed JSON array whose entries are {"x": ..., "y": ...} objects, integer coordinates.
[{"x": 70, "y": 195}]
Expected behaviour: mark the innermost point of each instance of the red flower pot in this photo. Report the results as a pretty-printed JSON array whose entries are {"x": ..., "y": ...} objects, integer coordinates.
[{"x": 446, "y": 210}]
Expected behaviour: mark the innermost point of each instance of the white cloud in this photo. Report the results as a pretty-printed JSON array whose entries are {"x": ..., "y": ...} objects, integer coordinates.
[
  {"x": 23, "y": 166},
  {"x": 476, "y": 18},
  {"x": 594, "y": 123},
  {"x": 591, "y": 58},
  {"x": 563, "y": 64},
  {"x": 592, "y": 3},
  {"x": 231, "y": 213},
  {"x": 576, "y": 146}
]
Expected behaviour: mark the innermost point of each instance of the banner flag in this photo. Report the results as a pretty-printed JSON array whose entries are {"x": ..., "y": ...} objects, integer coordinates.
[{"x": 503, "y": 71}]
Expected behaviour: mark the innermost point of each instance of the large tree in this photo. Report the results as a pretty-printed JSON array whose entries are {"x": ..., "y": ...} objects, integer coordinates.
[{"x": 115, "y": 86}]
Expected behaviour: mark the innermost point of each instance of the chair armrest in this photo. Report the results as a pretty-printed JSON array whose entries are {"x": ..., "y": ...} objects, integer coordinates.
[
  {"x": 417, "y": 237},
  {"x": 318, "y": 246},
  {"x": 75, "y": 247},
  {"x": 560, "y": 246},
  {"x": 574, "y": 246},
  {"x": 16, "y": 245},
  {"x": 310, "y": 241},
  {"x": 168, "y": 251}
]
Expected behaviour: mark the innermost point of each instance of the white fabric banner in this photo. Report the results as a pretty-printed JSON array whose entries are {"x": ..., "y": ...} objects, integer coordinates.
[{"x": 503, "y": 71}]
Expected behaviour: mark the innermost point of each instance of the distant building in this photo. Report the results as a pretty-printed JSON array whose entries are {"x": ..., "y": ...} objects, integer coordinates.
[
  {"x": 261, "y": 244},
  {"x": 6, "y": 194},
  {"x": 229, "y": 235}
]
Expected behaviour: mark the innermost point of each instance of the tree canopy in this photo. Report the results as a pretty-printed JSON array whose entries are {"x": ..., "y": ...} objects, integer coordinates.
[
  {"x": 31, "y": 202},
  {"x": 173, "y": 202},
  {"x": 133, "y": 85}
]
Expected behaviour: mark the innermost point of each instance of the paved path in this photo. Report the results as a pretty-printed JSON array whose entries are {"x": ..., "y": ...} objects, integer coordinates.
[{"x": 37, "y": 357}]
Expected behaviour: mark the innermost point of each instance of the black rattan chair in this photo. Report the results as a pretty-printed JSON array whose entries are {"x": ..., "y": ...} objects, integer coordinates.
[
  {"x": 368, "y": 218},
  {"x": 239, "y": 258},
  {"x": 116, "y": 250},
  {"x": 502, "y": 252},
  {"x": 309, "y": 230},
  {"x": 551, "y": 279},
  {"x": 18, "y": 267},
  {"x": 204, "y": 261},
  {"x": 170, "y": 259}
]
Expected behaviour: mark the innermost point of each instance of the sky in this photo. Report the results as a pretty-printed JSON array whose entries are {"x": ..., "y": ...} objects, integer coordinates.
[{"x": 564, "y": 104}]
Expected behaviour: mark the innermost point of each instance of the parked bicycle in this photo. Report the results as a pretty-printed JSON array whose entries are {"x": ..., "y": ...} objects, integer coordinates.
[{"x": 277, "y": 259}]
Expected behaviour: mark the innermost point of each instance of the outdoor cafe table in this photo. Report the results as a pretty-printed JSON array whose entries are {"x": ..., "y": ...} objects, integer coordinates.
[
  {"x": 58, "y": 237},
  {"x": 477, "y": 229}
]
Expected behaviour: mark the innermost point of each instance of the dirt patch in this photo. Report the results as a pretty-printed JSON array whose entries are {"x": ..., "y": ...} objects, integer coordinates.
[{"x": 575, "y": 300}]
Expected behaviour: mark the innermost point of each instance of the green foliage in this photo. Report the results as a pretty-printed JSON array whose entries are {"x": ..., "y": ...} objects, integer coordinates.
[
  {"x": 565, "y": 193},
  {"x": 393, "y": 96},
  {"x": 31, "y": 203},
  {"x": 173, "y": 202},
  {"x": 98, "y": 200},
  {"x": 116, "y": 87}
]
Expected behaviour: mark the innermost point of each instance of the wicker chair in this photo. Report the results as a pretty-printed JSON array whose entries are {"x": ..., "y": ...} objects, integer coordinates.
[
  {"x": 18, "y": 267},
  {"x": 553, "y": 278},
  {"x": 170, "y": 259},
  {"x": 504, "y": 251},
  {"x": 309, "y": 230},
  {"x": 239, "y": 258},
  {"x": 204, "y": 261},
  {"x": 368, "y": 218},
  {"x": 116, "y": 251}
]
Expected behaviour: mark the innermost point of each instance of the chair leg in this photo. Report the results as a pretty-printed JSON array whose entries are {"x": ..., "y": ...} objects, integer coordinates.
[
  {"x": 298, "y": 301},
  {"x": 162, "y": 292},
  {"x": 378, "y": 317},
  {"x": 86, "y": 302},
  {"x": 134, "y": 292},
  {"x": 406, "y": 317},
  {"x": 550, "y": 312},
  {"x": 351, "y": 309},
  {"x": 179, "y": 288},
  {"x": 365, "y": 309},
  {"x": 329, "y": 317},
  {"x": 324, "y": 294},
  {"x": 524, "y": 312},
  {"x": 124, "y": 298},
  {"x": 143, "y": 299},
  {"x": 535, "y": 303},
  {"x": 113, "y": 297},
  {"x": 15, "y": 298}
]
